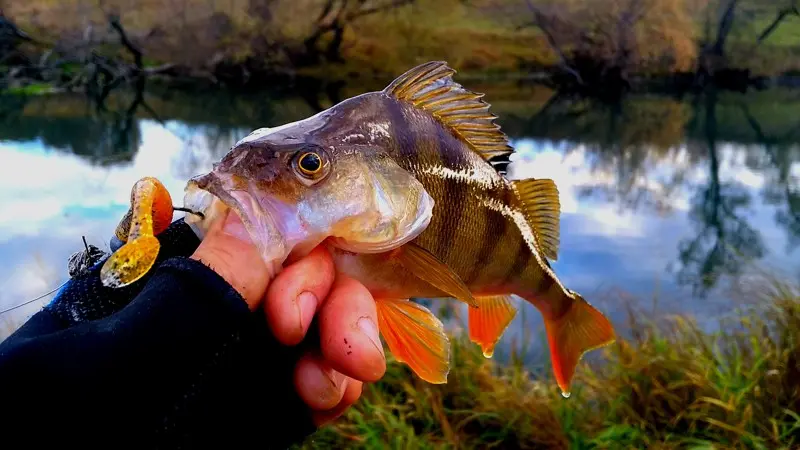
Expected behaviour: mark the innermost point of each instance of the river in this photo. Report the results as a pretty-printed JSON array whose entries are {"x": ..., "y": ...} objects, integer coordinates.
[{"x": 669, "y": 205}]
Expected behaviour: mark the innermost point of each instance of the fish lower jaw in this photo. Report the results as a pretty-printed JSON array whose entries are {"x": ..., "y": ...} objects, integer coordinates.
[
  {"x": 261, "y": 227},
  {"x": 206, "y": 203}
]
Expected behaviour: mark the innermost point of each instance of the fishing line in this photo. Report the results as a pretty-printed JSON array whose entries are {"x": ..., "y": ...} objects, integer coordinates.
[
  {"x": 77, "y": 264},
  {"x": 33, "y": 300},
  {"x": 89, "y": 255}
]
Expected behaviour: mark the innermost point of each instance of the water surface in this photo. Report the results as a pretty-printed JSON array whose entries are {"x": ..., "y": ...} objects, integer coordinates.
[{"x": 669, "y": 204}]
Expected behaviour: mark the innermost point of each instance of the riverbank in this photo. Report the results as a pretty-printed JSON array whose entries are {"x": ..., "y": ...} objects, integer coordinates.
[
  {"x": 256, "y": 43},
  {"x": 670, "y": 386}
]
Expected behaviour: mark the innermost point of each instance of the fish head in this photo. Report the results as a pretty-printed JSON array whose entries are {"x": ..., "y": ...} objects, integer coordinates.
[{"x": 294, "y": 187}]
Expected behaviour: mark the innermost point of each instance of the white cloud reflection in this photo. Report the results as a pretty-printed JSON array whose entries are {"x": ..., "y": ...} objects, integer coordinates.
[{"x": 51, "y": 198}]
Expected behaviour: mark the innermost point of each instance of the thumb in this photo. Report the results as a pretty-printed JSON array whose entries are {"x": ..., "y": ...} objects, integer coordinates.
[{"x": 228, "y": 250}]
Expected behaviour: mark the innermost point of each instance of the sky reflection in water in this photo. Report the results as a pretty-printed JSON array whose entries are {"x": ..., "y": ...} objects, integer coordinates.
[{"x": 657, "y": 232}]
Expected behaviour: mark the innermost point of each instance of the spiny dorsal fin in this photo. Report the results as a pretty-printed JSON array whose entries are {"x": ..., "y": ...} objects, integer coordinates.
[
  {"x": 542, "y": 209},
  {"x": 431, "y": 88}
]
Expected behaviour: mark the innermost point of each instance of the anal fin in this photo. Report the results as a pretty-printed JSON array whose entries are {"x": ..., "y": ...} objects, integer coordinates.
[
  {"x": 415, "y": 337},
  {"x": 580, "y": 329},
  {"x": 426, "y": 266},
  {"x": 489, "y": 321}
]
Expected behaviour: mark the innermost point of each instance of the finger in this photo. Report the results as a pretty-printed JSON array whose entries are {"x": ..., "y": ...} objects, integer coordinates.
[
  {"x": 317, "y": 383},
  {"x": 228, "y": 251},
  {"x": 349, "y": 337},
  {"x": 350, "y": 397},
  {"x": 295, "y": 294}
]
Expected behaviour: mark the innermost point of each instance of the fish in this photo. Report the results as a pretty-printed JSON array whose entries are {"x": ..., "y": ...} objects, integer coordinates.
[{"x": 407, "y": 188}]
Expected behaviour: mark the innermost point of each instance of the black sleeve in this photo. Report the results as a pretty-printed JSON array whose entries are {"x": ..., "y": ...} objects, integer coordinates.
[{"x": 183, "y": 364}]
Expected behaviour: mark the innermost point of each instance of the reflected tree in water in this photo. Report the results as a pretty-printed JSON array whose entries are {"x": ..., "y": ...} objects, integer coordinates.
[
  {"x": 781, "y": 188},
  {"x": 206, "y": 142},
  {"x": 625, "y": 144},
  {"x": 725, "y": 241},
  {"x": 641, "y": 137},
  {"x": 644, "y": 154},
  {"x": 103, "y": 130}
]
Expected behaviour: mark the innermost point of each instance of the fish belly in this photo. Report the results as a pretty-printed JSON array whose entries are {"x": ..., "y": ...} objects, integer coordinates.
[
  {"x": 484, "y": 267},
  {"x": 382, "y": 275}
]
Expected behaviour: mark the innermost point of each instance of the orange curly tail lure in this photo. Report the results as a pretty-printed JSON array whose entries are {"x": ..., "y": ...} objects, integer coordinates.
[{"x": 150, "y": 213}]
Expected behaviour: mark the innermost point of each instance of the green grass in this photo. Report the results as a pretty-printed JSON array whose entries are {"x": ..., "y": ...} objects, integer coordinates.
[{"x": 670, "y": 386}]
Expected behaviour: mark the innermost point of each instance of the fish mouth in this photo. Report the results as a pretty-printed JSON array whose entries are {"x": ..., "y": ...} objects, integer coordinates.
[{"x": 210, "y": 195}]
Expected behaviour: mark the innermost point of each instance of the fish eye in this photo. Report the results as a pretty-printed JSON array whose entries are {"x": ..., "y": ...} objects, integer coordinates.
[{"x": 309, "y": 163}]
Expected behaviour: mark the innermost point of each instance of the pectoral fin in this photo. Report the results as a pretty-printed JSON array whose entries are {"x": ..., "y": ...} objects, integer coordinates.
[
  {"x": 426, "y": 266},
  {"x": 489, "y": 320},
  {"x": 151, "y": 210},
  {"x": 415, "y": 337}
]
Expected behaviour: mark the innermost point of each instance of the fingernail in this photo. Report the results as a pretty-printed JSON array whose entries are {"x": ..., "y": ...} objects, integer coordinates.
[
  {"x": 367, "y": 326},
  {"x": 233, "y": 226},
  {"x": 336, "y": 379},
  {"x": 330, "y": 390},
  {"x": 307, "y": 303}
]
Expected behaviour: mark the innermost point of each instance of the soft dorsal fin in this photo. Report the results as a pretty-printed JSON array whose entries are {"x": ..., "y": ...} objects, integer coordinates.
[
  {"x": 542, "y": 208},
  {"x": 431, "y": 88}
]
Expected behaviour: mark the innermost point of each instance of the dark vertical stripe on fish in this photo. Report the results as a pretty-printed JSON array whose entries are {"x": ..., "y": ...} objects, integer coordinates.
[
  {"x": 455, "y": 192},
  {"x": 493, "y": 232},
  {"x": 401, "y": 131}
]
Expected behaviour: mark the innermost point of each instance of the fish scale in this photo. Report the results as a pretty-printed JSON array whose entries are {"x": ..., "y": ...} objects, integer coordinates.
[{"x": 478, "y": 243}]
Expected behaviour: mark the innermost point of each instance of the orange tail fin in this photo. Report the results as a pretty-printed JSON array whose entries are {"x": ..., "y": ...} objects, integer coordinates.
[{"x": 580, "y": 329}]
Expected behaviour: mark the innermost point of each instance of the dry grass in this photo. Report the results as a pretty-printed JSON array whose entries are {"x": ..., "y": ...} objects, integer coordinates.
[{"x": 673, "y": 386}]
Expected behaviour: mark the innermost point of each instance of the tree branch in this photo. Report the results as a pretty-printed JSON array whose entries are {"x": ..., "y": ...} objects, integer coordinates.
[
  {"x": 725, "y": 25},
  {"x": 782, "y": 14},
  {"x": 130, "y": 46},
  {"x": 540, "y": 19},
  {"x": 378, "y": 8}
]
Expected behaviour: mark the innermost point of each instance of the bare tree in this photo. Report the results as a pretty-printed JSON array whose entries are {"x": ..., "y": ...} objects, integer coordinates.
[
  {"x": 598, "y": 44},
  {"x": 335, "y": 17},
  {"x": 547, "y": 23},
  {"x": 99, "y": 71}
]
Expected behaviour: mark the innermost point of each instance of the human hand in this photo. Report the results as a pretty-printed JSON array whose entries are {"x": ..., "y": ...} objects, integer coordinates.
[{"x": 340, "y": 351}]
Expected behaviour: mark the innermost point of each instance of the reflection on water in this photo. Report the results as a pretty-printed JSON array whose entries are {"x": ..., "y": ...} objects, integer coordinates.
[{"x": 663, "y": 199}]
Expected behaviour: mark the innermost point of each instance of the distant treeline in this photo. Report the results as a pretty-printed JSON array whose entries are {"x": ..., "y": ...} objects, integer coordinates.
[{"x": 600, "y": 44}]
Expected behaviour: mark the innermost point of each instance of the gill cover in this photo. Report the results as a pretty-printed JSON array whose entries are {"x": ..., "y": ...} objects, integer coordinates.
[{"x": 398, "y": 210}]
